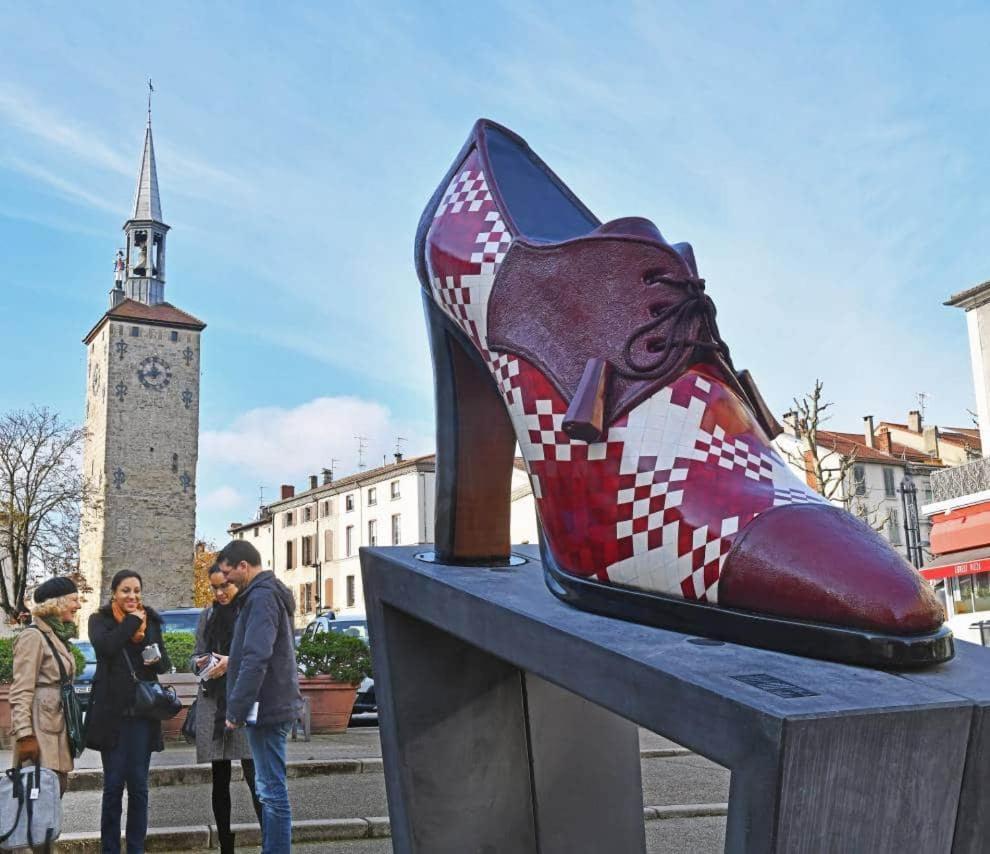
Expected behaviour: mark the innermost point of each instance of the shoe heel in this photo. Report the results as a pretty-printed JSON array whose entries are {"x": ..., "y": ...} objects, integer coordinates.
[{"x": 475, "y": 450}]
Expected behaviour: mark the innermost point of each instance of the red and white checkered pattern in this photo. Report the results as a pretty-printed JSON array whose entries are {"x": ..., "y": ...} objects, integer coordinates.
[
  {"x": 657, "y": 505},
  {"x": 468, "y": 191}
]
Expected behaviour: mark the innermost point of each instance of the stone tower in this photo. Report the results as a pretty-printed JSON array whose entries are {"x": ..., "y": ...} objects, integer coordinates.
[{"x": 142, "y": 419}]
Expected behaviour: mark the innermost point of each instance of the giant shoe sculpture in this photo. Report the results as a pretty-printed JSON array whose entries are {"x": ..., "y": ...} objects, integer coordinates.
[{"x": 660, "y": 496}]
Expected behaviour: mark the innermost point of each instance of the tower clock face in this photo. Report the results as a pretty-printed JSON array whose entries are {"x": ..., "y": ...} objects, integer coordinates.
[
  {"x": 154, "y": 373},
  {"x": 97, "y": 379}
]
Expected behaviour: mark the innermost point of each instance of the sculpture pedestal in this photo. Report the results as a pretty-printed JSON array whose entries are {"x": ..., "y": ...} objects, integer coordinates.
[{"x": 508, "y": 724}]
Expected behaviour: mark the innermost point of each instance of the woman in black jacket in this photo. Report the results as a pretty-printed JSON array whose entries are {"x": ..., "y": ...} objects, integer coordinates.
[{"x": 124, "y": 631}]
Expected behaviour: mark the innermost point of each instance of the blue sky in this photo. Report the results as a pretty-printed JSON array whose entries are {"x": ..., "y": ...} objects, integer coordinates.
[{"x": 826, "y": 160}]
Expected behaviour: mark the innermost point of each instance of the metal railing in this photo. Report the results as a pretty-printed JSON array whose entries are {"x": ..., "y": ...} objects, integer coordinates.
[{"x": 961, "y": 480}]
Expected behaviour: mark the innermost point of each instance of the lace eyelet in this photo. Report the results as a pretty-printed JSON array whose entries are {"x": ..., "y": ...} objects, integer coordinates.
[
  {"x": 652, "y": 277},
  {"x": 654, "y": 345},
  {"x": 656, "y": 309}
]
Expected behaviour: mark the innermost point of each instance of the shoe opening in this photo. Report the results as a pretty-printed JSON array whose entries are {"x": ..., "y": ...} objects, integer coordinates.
[{"x": 541, "y": 206}]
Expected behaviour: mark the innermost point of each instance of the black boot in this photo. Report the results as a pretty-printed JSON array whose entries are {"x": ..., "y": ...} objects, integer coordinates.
[{"x": 226, "y": 842}]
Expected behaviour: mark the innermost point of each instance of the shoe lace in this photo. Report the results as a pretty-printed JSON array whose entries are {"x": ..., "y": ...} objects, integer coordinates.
[{"x": 668, "y": 348}]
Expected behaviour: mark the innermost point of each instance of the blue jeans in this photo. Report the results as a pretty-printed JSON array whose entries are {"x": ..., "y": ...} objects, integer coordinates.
[
  {"x": 126, "y": 765},
  {"x": 268, "y": 749}
]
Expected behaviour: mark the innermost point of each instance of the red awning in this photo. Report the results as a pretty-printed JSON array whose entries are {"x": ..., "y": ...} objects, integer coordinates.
[
  {"x": 964, "y": 528},
  {"x": 969, "y": 562}
]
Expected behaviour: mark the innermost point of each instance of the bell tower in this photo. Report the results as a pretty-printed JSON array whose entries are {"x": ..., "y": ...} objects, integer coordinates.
[{"x": 142, "y": 419}]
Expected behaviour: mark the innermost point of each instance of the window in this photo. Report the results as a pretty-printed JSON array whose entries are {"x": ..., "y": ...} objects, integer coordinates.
[
  {"x": 289, "y": 519},
  {"x": 135, "y": 331},
  {"x": 349, "y": 503},
  {"x": 307, "y": 551},
  {"x": 350, "y": 591},
  {"x": 859, "y": 480},
  {"x": 328, "y": 593},
  {"x": 174, "y": 336},
  {"x": 289, "y": 563},
  {"x": 396, "y": 529},
  {"x": 256, "y": 532},
  {"x": 888, "y": 483},
  {"x": 307, "y": 514},
  {"x": 394, "y": 488},
  {"x": 305, "y": 598},
  {"x": 894, "y": 528},
  {"x": 324, "y": 509},
  {"x": 373, "y": 533},
  {"x": 962, "y": 594},
  {"x": 349, "y": 540},
  {"x": 328, "y": 545},
  {"x": 372, "y": 496}
]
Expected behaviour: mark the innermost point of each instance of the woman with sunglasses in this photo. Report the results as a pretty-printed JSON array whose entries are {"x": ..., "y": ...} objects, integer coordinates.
[{"x": 214, "y": 742}]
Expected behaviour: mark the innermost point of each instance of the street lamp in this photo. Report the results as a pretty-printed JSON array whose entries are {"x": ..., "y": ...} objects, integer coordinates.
[{"x": 912, "y": 532}]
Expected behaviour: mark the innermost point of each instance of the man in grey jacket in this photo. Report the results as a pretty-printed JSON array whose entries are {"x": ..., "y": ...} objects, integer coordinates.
[{"x": 263, "y": 682}]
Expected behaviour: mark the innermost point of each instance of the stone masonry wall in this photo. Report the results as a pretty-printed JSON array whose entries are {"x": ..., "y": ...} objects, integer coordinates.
[{"x": 141, "y": 456}]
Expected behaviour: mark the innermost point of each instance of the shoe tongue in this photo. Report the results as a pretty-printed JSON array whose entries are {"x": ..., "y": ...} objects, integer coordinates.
[{"x": 632, "y": 226}]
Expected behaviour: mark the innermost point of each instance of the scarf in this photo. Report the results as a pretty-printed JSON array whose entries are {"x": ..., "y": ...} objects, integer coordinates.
[
  {"x": 119, "y": 614},
  {"x": 218, "y": 636},
  {"x": 64, "y": 631}
]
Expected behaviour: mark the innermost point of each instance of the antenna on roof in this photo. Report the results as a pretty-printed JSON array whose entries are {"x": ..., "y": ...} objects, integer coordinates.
[
  {"x": 922, "y": 397},
  {"x": 362, "y": 447},
  {"x": 261, "y": 496}
]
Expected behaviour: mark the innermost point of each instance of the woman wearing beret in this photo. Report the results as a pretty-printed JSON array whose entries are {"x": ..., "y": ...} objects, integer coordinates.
[
  {"x": 36, "y": 715},
  {"x": 214, "y": 743},
  {"x": 127, "y": 636}
]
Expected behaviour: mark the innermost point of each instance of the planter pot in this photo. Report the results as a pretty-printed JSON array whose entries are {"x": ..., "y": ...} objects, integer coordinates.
[
  {"x": 330, "y": 703},
  {"x": 5, "y": 715},
  {"x": 186, "y": 686}
]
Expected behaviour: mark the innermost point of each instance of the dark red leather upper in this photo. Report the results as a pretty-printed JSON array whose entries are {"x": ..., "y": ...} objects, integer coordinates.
[{"x": 820, "y": 563}]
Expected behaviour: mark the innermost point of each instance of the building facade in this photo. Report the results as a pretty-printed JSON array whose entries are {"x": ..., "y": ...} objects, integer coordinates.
[{"x": 142, "y": 419}]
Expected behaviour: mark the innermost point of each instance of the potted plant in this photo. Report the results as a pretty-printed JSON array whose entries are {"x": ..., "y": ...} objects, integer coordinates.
[
  {"x": 179, "y": 646},
  {"x": 333, "y": 665}
]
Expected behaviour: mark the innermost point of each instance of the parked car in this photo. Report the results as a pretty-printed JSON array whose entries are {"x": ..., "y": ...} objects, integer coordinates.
[
  {"x": 181, "y": 619},
  {"x": 83, "y": 683},
  {"x": 365, "y": 706}
]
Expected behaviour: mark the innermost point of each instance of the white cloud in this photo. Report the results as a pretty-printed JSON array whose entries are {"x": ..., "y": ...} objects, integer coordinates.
[{"x": 285, "y": 445}]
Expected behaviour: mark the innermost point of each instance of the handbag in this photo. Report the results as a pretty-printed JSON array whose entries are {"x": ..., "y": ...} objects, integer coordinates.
[
  {"x": 189, "y": 724},
  {"x": 152, "y": 699},
  {"x": 71, "y": 710},
  {"x": 30, "y": 808}
]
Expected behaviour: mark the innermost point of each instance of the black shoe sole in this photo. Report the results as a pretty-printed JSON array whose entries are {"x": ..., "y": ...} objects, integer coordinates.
[{"x": 798, "y": 637}]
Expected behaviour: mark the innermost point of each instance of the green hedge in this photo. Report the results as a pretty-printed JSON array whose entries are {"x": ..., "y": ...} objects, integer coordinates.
[
  {"x": 7, "y": 660},
  {"x": 179, "y": 646}
]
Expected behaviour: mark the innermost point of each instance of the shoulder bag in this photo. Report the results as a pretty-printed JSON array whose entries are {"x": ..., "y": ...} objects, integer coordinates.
[
  {"x": 71, "y": 710},
  {"x": 30, "y": 809},
  {"x": 152, "y": 699}
]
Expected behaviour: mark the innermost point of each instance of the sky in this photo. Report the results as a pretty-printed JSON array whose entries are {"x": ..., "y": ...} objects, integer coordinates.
[{"x": 826, "y": 160}]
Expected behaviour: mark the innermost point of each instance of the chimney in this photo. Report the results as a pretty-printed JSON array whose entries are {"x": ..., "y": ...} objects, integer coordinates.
[
  {"x": 313, "y": 481},
  {"x": 931, "y": 440},
  {"x": 791, "y": 424},
  {"x": 398, "y": 456},
  {"x": 201, "y": 547},
  {"x": 914, "y": 421},
  {"x": 327, "y": 476},
  {"x": 288, "y": 491},
  {"x": 883, "y": 441},
  {"x": 976, "y": 303},
  {"x": 871, "y": 441}
]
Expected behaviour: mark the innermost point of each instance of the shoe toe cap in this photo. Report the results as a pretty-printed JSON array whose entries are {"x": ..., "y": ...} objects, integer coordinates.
[{"x": 819, "y": 563}]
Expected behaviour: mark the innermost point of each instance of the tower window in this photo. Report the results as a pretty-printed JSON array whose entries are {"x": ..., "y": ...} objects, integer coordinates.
[
  {"x": 174, "y": 336},
  {"x": 135, "y": 331},
  {"x": 175, "y": 462}
]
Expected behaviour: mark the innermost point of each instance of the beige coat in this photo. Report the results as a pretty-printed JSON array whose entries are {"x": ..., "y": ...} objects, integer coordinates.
[{"x": 35, "y": 704}]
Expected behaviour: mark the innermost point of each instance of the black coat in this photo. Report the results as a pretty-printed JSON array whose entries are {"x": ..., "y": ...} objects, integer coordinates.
[{"x": 113, "y": 687}]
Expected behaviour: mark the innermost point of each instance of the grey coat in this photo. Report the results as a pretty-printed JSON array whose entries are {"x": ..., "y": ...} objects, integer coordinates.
[{"x": 234, "y": 745}]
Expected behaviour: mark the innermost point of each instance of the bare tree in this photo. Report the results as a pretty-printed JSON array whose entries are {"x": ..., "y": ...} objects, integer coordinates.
[
  {"x": 41, "y": 494},
  {"x": 827, "y": 469}
]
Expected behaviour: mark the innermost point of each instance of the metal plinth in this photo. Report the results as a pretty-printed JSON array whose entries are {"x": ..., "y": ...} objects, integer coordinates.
[{"x": 508, "y": 725}]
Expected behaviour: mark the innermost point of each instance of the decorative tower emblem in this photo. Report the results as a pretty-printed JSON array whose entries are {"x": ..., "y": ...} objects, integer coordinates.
[{"x": 121, "y": 348}]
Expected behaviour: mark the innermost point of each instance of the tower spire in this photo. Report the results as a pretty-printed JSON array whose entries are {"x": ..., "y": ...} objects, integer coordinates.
[{"x": 145, "y": 230}]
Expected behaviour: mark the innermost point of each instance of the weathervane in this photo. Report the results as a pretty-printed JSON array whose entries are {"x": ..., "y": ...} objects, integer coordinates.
[{"x": 151, "y": 90}]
